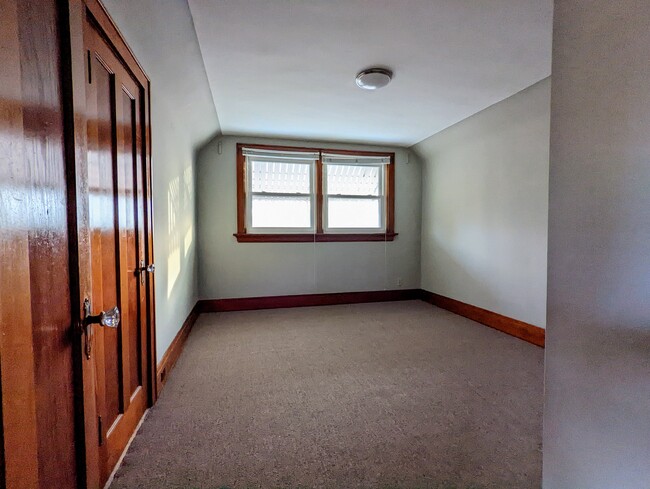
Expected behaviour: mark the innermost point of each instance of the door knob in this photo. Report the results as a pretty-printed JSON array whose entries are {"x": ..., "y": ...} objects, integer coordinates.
[
  {"x": 142, "y": 269},
  {"x": 108, "y": 319}
]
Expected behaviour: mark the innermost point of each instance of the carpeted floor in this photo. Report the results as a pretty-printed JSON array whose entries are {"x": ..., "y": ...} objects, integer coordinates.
[{"x": 398, "y": 395}]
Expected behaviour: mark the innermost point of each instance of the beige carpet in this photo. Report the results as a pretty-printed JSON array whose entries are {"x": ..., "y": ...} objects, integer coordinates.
[{"x": 391, "y": 395}]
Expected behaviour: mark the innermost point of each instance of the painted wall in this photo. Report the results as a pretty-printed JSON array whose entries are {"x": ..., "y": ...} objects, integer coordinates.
[
  {"x": 597, "y": 413},
  {"x": 161, "y": 35},
  {"x": 485, "y": 205},
  {"x": 231, "y": 269}
]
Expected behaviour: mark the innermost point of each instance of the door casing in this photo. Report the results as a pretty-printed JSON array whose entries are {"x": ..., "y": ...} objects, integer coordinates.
[{"x": 74, "y": 59}]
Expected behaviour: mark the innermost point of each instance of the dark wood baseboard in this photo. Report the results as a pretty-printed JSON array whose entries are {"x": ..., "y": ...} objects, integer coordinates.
[
  {"x": 312, "y": 238},
  {"x": 305, "y": 300},
  {"x": 513, "y": 327},
  {"x": 168, "y": 360}
]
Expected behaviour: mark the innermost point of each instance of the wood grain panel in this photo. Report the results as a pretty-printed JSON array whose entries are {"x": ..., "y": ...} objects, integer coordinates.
[
  {"x": 513, "y": 327},
  {"x": 16, "y": 342},
  {"x": 128, "y": 192},
  {"x": 103, "y": 220},
  {"x": 36, "y": 341},
  {"x": 97, "y": 13},
  {"x": 115, "y": 154},
  {"x": 34, "y": 245},
  {"x": 75, "y": 65},
  {"x": 48, "y": 244}
]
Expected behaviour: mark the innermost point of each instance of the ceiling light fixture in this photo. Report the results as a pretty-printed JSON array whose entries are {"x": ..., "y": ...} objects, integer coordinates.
[{"x": 374, "y": 78}]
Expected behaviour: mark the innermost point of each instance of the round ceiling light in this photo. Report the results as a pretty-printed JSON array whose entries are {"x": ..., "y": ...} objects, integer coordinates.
[{"x": 374, "y": 78}]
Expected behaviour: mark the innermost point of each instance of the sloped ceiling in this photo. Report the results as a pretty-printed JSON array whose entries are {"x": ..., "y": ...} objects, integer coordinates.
[
  {"x": 162, "y": 36},
  {"x": 286, "y": 68}
]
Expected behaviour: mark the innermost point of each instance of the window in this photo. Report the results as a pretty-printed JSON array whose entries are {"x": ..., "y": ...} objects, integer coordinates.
[
  {"x": 308, "y": 194},
  {"x": 280, "y": 191}
]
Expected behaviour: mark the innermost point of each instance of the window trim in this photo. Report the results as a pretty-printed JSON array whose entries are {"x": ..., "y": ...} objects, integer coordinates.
[
  {"x": 320, "y": 235},
  {"x": 311, "y": 195},
  {"x": 381, "y": 198}
]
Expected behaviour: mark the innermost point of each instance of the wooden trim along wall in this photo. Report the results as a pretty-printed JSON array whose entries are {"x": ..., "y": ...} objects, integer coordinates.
[
  {"x": 243, "y": 236},
  {"x": 167, "y": 362},
  {"x": 513, "y": 327},
  {"x": 305, "y": 300},
  {"x": 519, "y": 329},
  {"x": 311, "y": 238},
  {"x": 79, "y": 16},
  {"x": 170, "y": 357}
]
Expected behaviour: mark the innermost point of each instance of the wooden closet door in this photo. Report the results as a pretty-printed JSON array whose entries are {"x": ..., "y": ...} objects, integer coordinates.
[
  {"x": 114, "y": 104},
  {"x": 37, "y": 334}
]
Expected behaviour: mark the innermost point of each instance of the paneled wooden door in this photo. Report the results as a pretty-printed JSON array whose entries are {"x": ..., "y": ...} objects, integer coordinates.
[{"x": 120, "y": 272}]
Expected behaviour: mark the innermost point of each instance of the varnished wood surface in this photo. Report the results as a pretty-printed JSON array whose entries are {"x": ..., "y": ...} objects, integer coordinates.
[
  {"x": 114, "y": 103},
  {"x": 44, "y": 190},
  {"x": 305, "y": 300},
  {"x": 241, "y": 191},
  {"x": 513, "y": 327},
  {"x": 75, "y": 78},
  {"x": 36, "y": 341},
  {"x": 390, "y": 196},
  {"x": 16, "y": 353},
  {"x": 105, "y": 23},
  {"x": 150, "y": 298},
  {"x": 311, "y": 238},
  {"x": 319, "y": 195},
  {"x": 243, "y": 236},
  {"x": 170, "y": 356}
]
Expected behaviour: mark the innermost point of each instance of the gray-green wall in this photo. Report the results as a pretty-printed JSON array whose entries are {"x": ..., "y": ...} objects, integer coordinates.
[
  {"x": 232, "y": 269},
  {"x": 182, "y": 118},
  {"x": 485, "y": 206},
  {"x": 597, "y": 413}
]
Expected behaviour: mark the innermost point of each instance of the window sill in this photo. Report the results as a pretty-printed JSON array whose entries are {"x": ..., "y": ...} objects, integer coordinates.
[{"x": 310, "y": 238}]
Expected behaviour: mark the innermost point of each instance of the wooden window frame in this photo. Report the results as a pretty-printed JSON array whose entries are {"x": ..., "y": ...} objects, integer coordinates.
[{"x": 319, "y": 236}]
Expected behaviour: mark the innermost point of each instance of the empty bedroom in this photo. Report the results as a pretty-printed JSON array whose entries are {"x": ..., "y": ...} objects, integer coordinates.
[{"x": 283, "y": 244}]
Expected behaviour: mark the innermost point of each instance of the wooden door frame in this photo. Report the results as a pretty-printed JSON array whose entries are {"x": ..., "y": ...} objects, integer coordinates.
[{"x": 73, "y": 15}]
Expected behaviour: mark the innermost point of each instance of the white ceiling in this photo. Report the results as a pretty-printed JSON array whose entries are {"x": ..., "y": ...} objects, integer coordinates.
[
  {"x": 286, "y": 68},
  {"x": 162, "y": 37}
]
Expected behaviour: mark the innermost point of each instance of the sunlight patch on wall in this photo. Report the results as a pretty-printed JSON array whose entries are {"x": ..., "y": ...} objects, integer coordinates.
[
  {"x": 173, "y": 269},
  {"x": 174, "y": 256},
  {"x": 173, "y": 201},
  {"x": 189, "y": 238},
  {"x": 188, "y": 181}
]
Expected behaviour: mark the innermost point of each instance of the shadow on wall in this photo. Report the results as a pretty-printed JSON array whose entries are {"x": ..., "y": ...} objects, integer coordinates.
[
  {"x": 453, "y": 278},
  {"x": 180, "y": 235}
]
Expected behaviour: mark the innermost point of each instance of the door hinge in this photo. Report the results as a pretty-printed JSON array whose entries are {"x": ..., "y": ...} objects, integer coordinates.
[
  {"x": 90, "y": 68},
  {"x": 100, "y": 430}
]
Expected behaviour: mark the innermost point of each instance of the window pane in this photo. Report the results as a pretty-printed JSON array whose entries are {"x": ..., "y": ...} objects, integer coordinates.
[
  {"x": 353, "y": 180},
  {"x": 281, "y": 212},
  {"x": 353, "y": 213},
  {"x": 280, "y": 177}
]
